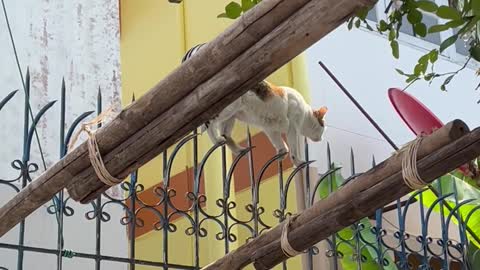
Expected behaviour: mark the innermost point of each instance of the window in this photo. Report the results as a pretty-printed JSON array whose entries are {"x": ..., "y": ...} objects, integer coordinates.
[
  {"x": 372, "y": 14},
  {"x": 462, "y": 47}
]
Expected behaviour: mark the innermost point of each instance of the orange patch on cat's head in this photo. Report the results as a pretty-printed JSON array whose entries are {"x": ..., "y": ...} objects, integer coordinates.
[
  {"x": 275, "y": 90},
  {"x": 278, "y": 91},
  {"x": 320, "y": 114}
]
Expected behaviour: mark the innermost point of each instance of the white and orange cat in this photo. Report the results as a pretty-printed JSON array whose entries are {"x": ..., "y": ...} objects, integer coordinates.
[{"x": 276, "y": 110}]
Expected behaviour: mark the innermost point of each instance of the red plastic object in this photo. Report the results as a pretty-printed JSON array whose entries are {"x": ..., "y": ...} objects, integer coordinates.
[{"x": 416, "y": 115}]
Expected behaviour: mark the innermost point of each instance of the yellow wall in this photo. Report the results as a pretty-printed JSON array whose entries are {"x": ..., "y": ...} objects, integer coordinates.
[{"x": 154, "y": 37}]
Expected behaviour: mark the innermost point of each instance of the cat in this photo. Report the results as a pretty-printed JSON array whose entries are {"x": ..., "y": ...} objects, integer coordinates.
[{"x": 276, "y": 110}]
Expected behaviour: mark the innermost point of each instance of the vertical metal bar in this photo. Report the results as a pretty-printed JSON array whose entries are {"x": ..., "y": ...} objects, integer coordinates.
[
  {"x": 133, "y": 205},
  {"x": 24, "y": 179},
  {"x": 403, "y": 251},
  {"x": 225, "y": 198},
  {"x": 165, "y": 210},
  {"x": 425, "y": 260},
  {"x": 444, "y": 228},
  {"x": 26, "y": 110},
  {"x": 196, "y": 206},
  {"x": 59, "y": 203},
  {"x": 281, "y": 192},
  {"x": 62, "y": 119},
  {"x": 250, "y": 160},
  {"x": 356, "y": 227},
  {"x": 462, "y": 234},
  {"x": 330, "y": 190},
  {"x": 307, "y": 199},
  {"x": 98, "y": 219},
  {"x": 252, "y": 185},
  {"x": 133, "y": 225},
  {"x": 379, "y": 229}
]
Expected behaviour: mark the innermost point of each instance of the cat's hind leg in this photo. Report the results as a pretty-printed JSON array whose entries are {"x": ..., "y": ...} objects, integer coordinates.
[
  {"x": 212, "y": 131},
  {"x": 226, "y": 128}
]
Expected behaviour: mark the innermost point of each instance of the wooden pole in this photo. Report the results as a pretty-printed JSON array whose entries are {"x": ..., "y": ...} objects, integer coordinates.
[
  {"x": 261, "y": 41},
  {"x": 305, "y": 26},
  {"x": 439, "y": 153}
]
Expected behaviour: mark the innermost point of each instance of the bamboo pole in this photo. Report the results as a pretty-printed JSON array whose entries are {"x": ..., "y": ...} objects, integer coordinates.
[
  {"x": 305, "y": 26},
  {"x": 261, "y": 41},
  {"x": 439, "y": 153}
]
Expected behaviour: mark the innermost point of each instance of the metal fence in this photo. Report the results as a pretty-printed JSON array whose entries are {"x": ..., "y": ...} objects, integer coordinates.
[{"x": 367, "y": 244}]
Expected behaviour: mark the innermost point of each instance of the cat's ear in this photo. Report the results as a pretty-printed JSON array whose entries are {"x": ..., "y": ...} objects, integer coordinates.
[{"x": 320, "y": 113}]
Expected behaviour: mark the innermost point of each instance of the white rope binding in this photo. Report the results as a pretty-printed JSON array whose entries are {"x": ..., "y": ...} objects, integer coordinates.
[
  {"x": 410, "y": 173},
  {"x": 94, "y": 151},
  {"x": 287, "y": 249}
]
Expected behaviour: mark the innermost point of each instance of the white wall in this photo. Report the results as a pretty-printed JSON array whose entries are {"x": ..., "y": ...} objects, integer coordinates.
[
  {"x": 80, "y": 41},
  {"x": 362, "y": 61}
]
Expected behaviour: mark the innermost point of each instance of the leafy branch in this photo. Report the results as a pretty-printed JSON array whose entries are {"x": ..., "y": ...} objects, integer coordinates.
[{"x": 462, "y": 18}]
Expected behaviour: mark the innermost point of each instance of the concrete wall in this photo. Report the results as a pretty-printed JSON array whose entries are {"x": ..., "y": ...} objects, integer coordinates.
[{"x": 77, "y": 40}]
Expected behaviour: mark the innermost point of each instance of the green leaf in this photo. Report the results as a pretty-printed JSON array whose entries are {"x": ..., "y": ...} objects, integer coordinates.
[
  {"x": 247, "y": 4},
  {"x": 455, "y": 23},
  {"x": 233, "y": 10},
  {"x": 429, "y": 76},
  {"x": 448, "y": 42},
  {"x": 446, "y": 12},
  {"x": 414, "y": 16},
  {"x": 422, "y": 65},
  {"x": 433, "y": 56},
  {"x": 400, "y": 71},
  {"x": 350, "y": 24},
  {"x": 363, "y": 12},
  {"x": 395, "y": 50},
  {"x": 471, "y": 23},
  {"x": 427, "y": 6},
  {"x": 420, "y": 29},
  {"x": 391, "y": 35},
  {"x": 424, "y": 59},
  {"x": 357, "y": 23},
  {"x": 411, "y": 78},
  {"x": 475, "y": 52},
  {"x": 475, "y": 7},
  {"x": 447, "y": 81},
  {"x": 223, "y": 15},
  {"x": 382, "y": 26},
  {"x": 418, "y": 69},
  {"x": 438, "y": 28}
]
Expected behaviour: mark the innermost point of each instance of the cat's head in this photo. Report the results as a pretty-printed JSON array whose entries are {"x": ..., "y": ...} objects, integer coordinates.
[{"x": 317, "y": 126}]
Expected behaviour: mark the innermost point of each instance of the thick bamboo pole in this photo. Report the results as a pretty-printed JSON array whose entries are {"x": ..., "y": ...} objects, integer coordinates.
[
  {"x": 257, "y": 44},
  {"x": 439, "y": 153}
]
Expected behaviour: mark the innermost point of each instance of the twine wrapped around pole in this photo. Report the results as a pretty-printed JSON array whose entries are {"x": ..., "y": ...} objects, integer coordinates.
[
  {"x": 287, "y": 249},
  {"x": 410, "y": 173},
  {"x": 93, "y": 149}
]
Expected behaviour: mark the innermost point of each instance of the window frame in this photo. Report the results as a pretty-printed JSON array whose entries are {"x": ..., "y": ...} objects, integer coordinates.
[{"x": 450, "y": 54}]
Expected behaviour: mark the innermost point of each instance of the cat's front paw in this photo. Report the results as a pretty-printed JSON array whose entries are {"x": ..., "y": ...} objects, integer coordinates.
[
  {"x": 220, "y": 140},
  {"x": 237, "y": 150},
  {"x": 297, "y": 162}
]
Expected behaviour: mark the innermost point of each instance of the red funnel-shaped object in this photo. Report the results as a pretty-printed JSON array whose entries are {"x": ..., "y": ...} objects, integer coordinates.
[{"x": 416, "y": 116}]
